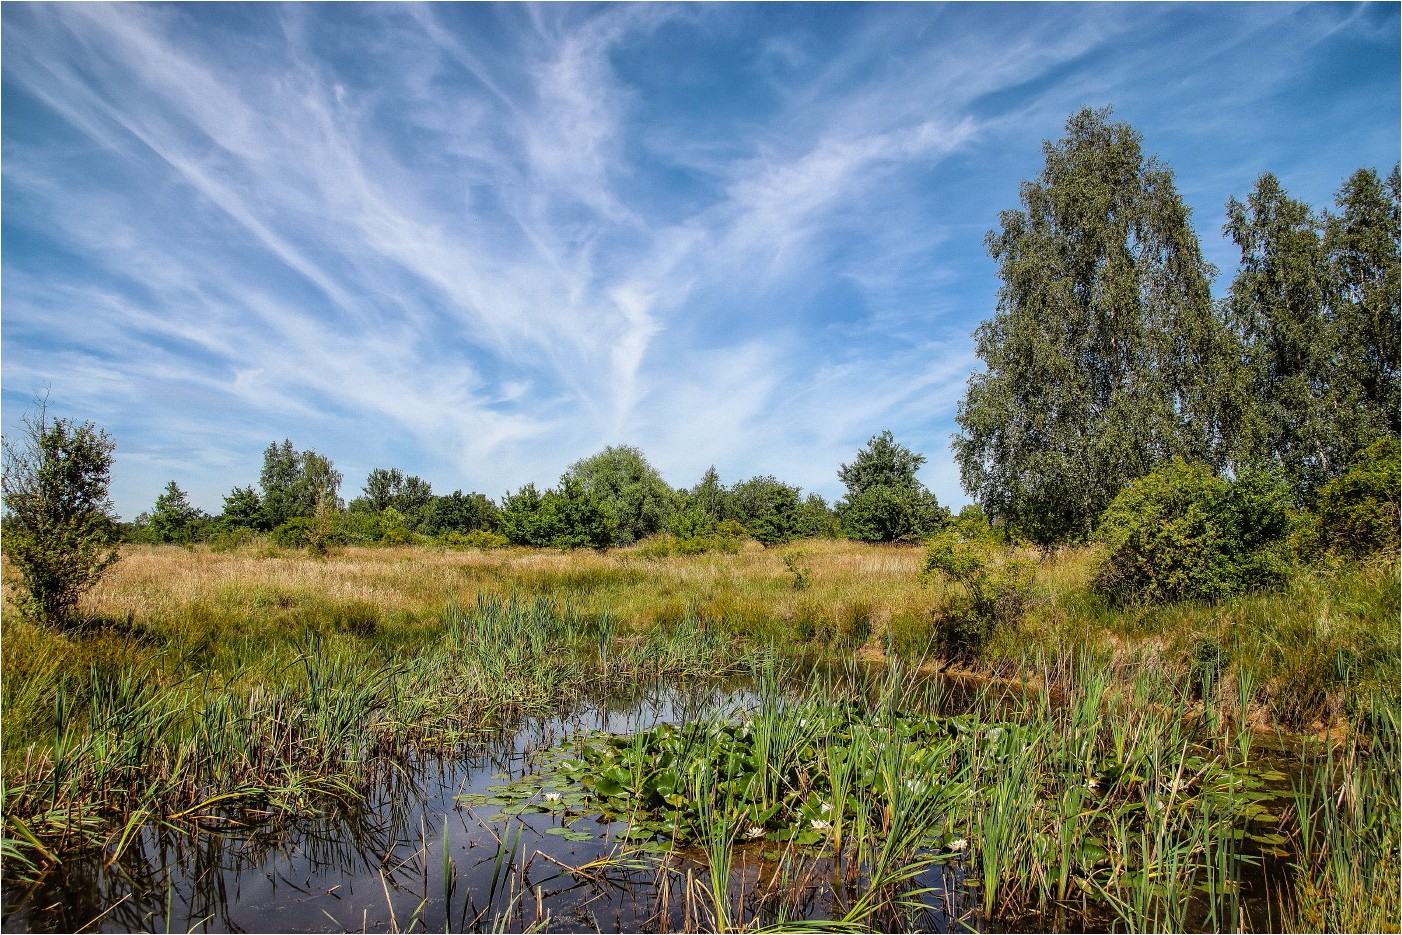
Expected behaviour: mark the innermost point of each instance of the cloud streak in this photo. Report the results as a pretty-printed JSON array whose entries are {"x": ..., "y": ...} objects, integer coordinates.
[{"x": 479, "y": 242}]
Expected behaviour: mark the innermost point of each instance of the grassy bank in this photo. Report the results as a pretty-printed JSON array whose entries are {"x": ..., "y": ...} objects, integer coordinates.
[{"x": 257, "y": 682}]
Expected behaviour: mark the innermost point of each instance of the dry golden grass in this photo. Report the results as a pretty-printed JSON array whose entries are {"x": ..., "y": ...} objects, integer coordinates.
[{"x": 166, "y": 584}]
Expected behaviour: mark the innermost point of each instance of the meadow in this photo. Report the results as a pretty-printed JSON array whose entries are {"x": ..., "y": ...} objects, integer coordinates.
[{"x": 1188, "y": 766}]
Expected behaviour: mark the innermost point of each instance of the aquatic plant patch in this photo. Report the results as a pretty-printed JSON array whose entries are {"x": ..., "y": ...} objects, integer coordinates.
[{"x": 826, "y": 777}]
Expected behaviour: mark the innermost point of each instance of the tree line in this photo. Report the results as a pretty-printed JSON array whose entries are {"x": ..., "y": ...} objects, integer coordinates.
[
  {"x": 613, "y": 498},
  {"x": 1107, "y": 358}
]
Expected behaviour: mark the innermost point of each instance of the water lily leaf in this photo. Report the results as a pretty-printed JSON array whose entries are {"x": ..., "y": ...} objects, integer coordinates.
[{"x": 569, "y": 834}]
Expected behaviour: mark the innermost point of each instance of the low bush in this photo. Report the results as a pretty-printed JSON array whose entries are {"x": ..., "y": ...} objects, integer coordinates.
[
  {"x": 293, "y": 534},
  {"x": 1358, "y": 510},
  {"x": 1184, "y": 533},
  {"x": 995, "y": 589},
  {"x": 476, "y": 539}
]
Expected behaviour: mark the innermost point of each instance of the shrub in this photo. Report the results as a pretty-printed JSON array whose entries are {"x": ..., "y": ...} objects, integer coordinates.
[
  {"x": 294, "y": 533},
  {"x": 565, "y": 518},
  {"x": 771, "y": 510},
  {"x": 226, "y": 539},
  {"x": 1358, "y": 512},
  {"x": 891, "y": 514},
  {"x": 1183, "y": 533},
  {"x": 731, "y": 529},
  {"x": 995, "y": 589},
  {"x": 59, "y": 531},
  {"x": 476, "y": 539}
]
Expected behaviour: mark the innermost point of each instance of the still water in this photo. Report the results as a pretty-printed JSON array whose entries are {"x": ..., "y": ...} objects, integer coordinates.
[{"x": 412, "y": 858}]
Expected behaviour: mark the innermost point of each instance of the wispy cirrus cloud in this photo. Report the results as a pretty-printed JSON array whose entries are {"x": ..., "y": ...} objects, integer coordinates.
[{"x": 479, "y": 242}]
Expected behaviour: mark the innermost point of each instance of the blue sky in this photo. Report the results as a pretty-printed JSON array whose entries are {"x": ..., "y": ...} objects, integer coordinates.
[{"x": 481, "y": 242}]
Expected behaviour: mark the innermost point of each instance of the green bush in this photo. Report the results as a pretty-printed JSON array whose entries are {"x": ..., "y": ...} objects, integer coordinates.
[
  {"x": 60, "y": 535},
  {"x": 1183, "y": 533},
  {"x": 476, "y": 539},
  {"x": 994, "y": 588},
  {"x": 226, "y": 539},
  {"x": 293, "y": 534},
  {"x": 1358, "y": 512},
  {"x": 891, "y": 514}
]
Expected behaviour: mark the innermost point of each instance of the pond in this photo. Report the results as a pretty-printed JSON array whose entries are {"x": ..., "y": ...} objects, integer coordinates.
[{"x": 478, "y": 842}]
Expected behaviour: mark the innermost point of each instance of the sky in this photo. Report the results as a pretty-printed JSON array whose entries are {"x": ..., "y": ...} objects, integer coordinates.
[{"x": 480, "y": 242}]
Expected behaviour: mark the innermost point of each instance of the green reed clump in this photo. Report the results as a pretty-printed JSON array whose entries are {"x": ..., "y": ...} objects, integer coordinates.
[
  {"x": 154, "y": 736},
  {"x": 1349, "y": 812}
]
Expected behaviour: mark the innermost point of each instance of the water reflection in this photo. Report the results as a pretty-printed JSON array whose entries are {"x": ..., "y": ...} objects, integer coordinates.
[{"x": 380, "y": 866}]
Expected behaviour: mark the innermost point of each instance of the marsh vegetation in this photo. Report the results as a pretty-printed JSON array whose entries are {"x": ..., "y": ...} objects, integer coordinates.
[{"x": 1188, "y": 766}]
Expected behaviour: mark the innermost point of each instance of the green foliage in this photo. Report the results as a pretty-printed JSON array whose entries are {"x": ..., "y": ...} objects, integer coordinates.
[
  {"x": 631, "y": 489},
  {"x": 59, "y": 531},
  {"x": 666, "y": 544},
  {"x": 891, "y": 514},
  {"x": 882, "y": 463},
  {"x": 1362, "y": 244},
  {"x": 1358, "y": 510},
  {"x": 730, "y": 529},
  {"x": 174, "y": 519},
  {"x": 394, "y": 527},
  {"x": 462, "y": 513},
  {"x": 702, "y": 508},
  {"x": 1184, "y": 533},
  {"x": 994, "y": 588},
  {"x": 483, "y": 539},
  {"x": 885, "y": 502},
  {"x": 243, "y": 509},
  {"x": 1105, "y": 357},
  {"x": 1316, "y": 308},
  {"x": 565, "y": 518},
  {"x": 817, "y": 520},
  {"x": 294, "y": 483},
  {"x": 770, "y": 510},
  {"x": 294, "y": 534},
  {"x": 411, "y": 496}
]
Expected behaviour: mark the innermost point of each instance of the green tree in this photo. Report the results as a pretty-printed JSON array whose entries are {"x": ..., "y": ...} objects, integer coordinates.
[
  {"x": 295, "y": 482},
  {"x": 770, "y": 510},
  {"x": 1105, "y": 357},
  {"x": 175, "y": 518},
  {"x": 640, "y": 500},
  {"x": 817, "y": 520},
  {"x": 882, "y": 463},
  {"x": 885, "y": 502},
  {"x": 1278, "y": 308},
  {"x": 1361, "y": 242},
  {"x": 411, "y": 496},
  {"x": 458, "y": 512},
  {"x": 701, "y": 508},
  {"x": 243, "y": 509},
  {"x": 565, "y": 518},
  {"x": 59, "y": 530}
]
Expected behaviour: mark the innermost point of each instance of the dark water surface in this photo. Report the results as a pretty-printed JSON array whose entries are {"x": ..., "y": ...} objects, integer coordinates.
[{"x": 381, "y": 867}]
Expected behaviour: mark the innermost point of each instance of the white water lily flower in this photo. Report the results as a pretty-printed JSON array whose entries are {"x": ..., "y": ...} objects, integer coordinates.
[
  {"x": 995, "y": 733},
  {"x": 824, "y": 808},
  {"x": 552, "y": 796},
  {"x": 755, "y": 831},
  {"x": 958, "y": 844},
  {"x": 1093, "y": 784},
  {"x": 820, "y": 825}
]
